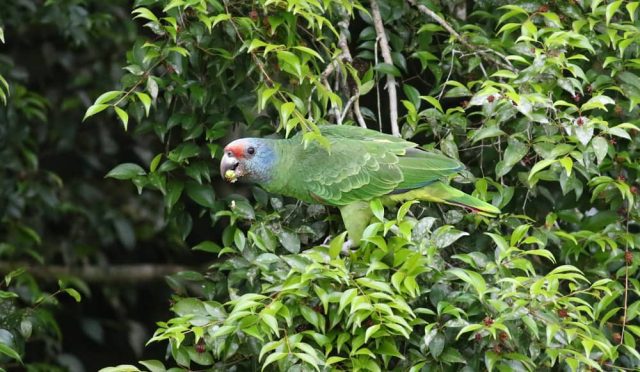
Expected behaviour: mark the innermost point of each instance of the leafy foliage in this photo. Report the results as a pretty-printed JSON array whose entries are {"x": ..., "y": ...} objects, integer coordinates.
[
  {"x": 538, "y": 98},
  {"x": 56, "y": 210},
  {"x": 547, "y": 101}
]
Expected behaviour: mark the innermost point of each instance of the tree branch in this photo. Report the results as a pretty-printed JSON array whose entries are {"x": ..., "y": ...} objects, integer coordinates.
[
  {"x": 501, "y": 59},
  {"x": 122, "y": 274},
  {"x": 386, "y": 56}
]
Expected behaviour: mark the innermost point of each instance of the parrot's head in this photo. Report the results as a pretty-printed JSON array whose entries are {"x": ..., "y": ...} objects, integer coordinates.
[{"x": 248, "y": 159}]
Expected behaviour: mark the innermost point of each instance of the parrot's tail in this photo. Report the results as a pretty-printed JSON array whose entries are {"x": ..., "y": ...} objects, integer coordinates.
[
  {"x": 456, "y": 197},
  {"x": 439, "y": 192}
]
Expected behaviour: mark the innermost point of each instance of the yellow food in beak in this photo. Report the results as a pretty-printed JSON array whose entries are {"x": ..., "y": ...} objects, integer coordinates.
[{"x": 230, "y": 176}]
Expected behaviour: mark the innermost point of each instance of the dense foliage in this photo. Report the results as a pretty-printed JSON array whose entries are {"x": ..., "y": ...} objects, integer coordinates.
[
  {"x": 59, "y": 218},
  {"x": 538, "y": 99}
]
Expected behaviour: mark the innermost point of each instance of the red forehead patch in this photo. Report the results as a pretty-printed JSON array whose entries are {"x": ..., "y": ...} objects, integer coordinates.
[{"x": 237, "y": 148}]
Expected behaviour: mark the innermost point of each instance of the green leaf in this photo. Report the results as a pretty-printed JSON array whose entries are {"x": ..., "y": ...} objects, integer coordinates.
[
  {"x": 124, "y": 117},
  {"x": 335, "y": 247},
  {"x": 289, "y": 240},
  {"x": 288, "y": 59},
  {"x": 486, "y": 132},
  {"x": 370, "y": 332},
  {"x": 271, "y": 322},
  {"x": 201, "y": 194},
  {"x": 433, "y": 101},
  {"x": 273, "y": 358},
  {"x": 309, "y": 51},
  {"x": 94, "y": 109},
  {"x": 145, "y": 14},
  {"x": 542, "y": 164},
  {"x": 145, "y": 100},
  {"x": 529, "y": 29},
  {"x": 631, "y": 8},
  {"x": 436, "y": 346},
  {"x": 285, "y": 111},
  {"x": 126, "y": 171},
  {"x": 471, "y": 277},
  {"x": 515, "y": 151},
  {"x": 377, "y": 209},
  {"x": 269, "y": 346},
  {"x": 388, "y": 69},
  {"x": 73, "y": 293},
  {"x": 600, "y": 148},
  {"x": 567, "y": 163},
  {"x": 153, "y": 365},
  {"x": 597, "y": 102},
  {"x": 207, "y": 246},
  {"x": 108, "y": 97},
  {"x": 611, "y": 10},
  {"x": 6, "y": 350}
]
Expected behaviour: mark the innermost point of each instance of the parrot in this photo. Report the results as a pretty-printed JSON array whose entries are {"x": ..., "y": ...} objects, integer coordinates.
[{"x": 358, "y": 165}]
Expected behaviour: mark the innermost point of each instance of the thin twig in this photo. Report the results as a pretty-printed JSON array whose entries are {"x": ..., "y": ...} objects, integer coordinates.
[
  {"x": 331, "y": 68},
  {"x": 346, "y": 107},
  {"x": 386, "y": 56},
  {"x": 356, "y": 110},
  {"x": 501, "y": 61},
  {"x": 453, "y": 54},
  {"x": 375, "y": 60}
]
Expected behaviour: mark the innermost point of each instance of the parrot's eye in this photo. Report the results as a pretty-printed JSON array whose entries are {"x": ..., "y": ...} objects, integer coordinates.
[{"x": 251, "y": 150}]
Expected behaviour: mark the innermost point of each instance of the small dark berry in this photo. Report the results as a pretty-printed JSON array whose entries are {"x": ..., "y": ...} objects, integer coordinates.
[
  {"x": 580, "y": 121},
  {"x": 618, "y": 109},
  {"x": 253, "y": 14},
  {"x": 576, "y": 97},
  {"x": 622, "y": 178},
  {"x": 491, "y": 98},
  {"x": 628, "y": 258},
  {"x": 617, "y": 338},
  {"x": 504, "y": 336},
  {"x": 488, "y": 321},
  {"x": 200, "y": 347},
  {"x": 478, "y": 337},
  {"x": 543, "y": 8},
  {"x": 634, "y": 189},
  {"x": 563, "y": 313}
]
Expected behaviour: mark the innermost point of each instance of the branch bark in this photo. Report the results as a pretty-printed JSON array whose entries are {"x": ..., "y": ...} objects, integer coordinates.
[
  {"x": 386, "y": 56},
  {"x": 114, "y": 274},
  {"x": 495, "y": 56}
]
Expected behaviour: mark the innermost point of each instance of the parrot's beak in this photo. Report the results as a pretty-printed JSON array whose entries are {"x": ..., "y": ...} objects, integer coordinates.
[{"x": 229, "y": 168}]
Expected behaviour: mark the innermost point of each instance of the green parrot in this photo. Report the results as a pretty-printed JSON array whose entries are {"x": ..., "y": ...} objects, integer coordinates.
[{"x": 360, "y": 165}]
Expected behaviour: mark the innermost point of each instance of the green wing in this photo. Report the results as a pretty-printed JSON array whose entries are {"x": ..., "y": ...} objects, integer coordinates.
[
  {"x": 353, "y": 170},
  {"x": 364, "y": 164},
  {"x": 421, "y": 168}
]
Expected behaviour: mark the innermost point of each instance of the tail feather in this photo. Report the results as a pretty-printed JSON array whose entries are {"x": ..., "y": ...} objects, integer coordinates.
[
  {"x": 454, "y": 196},
  {"x": 439, "y": 192}
]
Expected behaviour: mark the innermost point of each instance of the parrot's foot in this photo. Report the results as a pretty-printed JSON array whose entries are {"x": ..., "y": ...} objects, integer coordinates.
[{"x": 346, "y": 248}]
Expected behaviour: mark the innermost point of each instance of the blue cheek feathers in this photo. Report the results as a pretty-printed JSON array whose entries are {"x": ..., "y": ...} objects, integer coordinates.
[{"x": 260, "y": 165}]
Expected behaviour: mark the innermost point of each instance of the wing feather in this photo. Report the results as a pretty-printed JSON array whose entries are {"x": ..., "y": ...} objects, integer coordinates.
[{"x": 363, "y": 164}]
